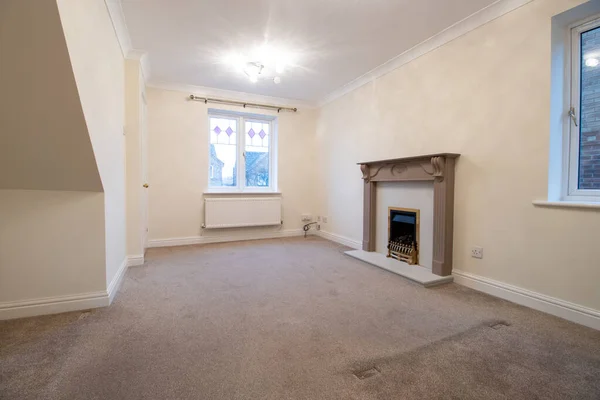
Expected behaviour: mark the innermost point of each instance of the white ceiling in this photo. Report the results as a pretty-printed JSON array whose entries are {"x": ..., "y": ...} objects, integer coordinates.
[{"x": 335, "y": 41}]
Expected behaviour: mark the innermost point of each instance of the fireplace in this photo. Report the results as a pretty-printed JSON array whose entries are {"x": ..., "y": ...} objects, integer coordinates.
[
  {"x": 403, "y": 234},
  {"x": 438, "y": 168}
]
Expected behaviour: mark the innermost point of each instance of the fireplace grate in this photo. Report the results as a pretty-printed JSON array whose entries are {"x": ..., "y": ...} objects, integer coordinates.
[{"x": 403, "y": 252}]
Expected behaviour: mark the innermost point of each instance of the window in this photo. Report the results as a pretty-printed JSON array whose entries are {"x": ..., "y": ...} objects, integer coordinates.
[
  {"x": 582, "y": 162},
  {"x": 241, "y": 155}
]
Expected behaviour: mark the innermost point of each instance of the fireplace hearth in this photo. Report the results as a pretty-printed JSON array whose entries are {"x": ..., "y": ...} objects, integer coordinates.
[{"x": 403, "y": 234}]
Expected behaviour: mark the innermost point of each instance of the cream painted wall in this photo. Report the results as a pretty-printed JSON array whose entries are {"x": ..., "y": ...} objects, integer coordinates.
[
  {"x": 52, "y": 239},
  {"x": 178, "y": 166},
  {"x": 134, "y": 89},
  {"x": 51, "y": 244},
  {"x": 485, "y": 95},
  {"x": 98, "y": 66},
  {"x": 417, "y": 195}
]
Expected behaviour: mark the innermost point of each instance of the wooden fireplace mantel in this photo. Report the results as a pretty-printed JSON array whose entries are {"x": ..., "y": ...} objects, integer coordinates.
[{"x": 438, "y": 168}]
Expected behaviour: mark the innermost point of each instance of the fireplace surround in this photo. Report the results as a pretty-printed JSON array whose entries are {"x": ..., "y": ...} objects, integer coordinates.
[{"x": 438, "y": 168}]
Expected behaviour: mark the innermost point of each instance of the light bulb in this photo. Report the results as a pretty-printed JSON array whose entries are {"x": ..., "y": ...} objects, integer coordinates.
[
  {"x": 277, "y": 80},
  {"x": 253, "y": 70}
]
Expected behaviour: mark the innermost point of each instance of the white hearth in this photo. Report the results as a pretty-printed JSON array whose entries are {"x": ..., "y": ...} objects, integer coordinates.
[{"x": 415, "y": 273}]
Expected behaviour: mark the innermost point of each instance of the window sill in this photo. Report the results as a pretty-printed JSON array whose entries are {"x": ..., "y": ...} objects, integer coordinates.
[
  {"x": 240, "y": 193},
  {"x": 567, "y": 204}
]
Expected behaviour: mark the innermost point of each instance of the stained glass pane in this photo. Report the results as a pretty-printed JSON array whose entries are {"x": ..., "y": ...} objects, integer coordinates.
[
  {"x": 223, "y": 152},
  {"x": 257, "y": 153}
]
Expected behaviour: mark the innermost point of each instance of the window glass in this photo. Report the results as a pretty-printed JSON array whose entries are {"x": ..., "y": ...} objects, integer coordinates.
[
  {"x": 223, "y": 152},
  {"x": 589, "y": 129},
  {"x": 257, "y": 157}
]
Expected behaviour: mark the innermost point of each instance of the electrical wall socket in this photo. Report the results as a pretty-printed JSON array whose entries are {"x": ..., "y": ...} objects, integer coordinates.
[
  {"x": 324, "y": 220},
  {"x": 477, "y": 252},
  {"x": 306, "y": 218},
  {"x": 318, "y": 227},
  {"x": 318, "y": 218}
]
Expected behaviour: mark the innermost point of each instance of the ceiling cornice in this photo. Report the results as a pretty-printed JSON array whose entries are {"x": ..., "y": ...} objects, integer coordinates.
[
  {"x": 115, "y": 11},
  {"x": 472, "y": 22},
  {"x": 230, "y": 94}
]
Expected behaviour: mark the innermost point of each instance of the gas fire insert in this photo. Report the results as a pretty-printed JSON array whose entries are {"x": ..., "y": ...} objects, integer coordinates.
[{"x": 403, "y": 234}]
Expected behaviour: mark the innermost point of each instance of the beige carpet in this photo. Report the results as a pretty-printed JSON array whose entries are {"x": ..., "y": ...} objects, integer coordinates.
[{"x": 294, "y": 319}]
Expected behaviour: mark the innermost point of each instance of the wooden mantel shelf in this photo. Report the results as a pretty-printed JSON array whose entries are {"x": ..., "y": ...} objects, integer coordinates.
[
  {"x": 418, "y": 168},
  {"x": 413, "y": 158},
  {"x": 438, "y": 168}
]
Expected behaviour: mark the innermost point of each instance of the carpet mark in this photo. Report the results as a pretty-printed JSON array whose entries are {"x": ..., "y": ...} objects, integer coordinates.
[
  {"x": 498, "y": 325},
  {"x": 366, "y": 373},
  {"x": 84, "y": 315}
]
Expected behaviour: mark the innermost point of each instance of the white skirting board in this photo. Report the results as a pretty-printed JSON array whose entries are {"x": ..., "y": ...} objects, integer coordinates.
[
  {"x": 185, "y": 241},
  {"x": 134, "y": 261},
  {"x": 53, "y": 305},
  {"x": 76, "y": 302},
  {"x": 354, "y": 244},
  {"x": 550, "y": 305},
  {"x": 117, "y": 280}
]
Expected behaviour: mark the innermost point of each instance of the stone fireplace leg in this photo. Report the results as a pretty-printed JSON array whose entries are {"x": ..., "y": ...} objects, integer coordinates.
[{"x": 369, "y": 217}]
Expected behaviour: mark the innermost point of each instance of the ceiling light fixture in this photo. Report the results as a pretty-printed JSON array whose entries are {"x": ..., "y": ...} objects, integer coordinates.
[
  {"x": 253, "y": 70},
  {"x": 264, "y": 62}
]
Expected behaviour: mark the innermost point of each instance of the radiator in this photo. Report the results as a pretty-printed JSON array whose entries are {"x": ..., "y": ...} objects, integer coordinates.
[{"x": 241, "y": 212}]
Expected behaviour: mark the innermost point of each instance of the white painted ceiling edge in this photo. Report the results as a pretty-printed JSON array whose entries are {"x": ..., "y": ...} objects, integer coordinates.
[{"x": 468, "y": 24}]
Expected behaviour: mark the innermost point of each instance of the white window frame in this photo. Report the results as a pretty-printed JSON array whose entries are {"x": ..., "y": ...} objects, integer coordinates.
[
  {"x": 571, "y": 191},
  {"x": 242, "y": 118}
]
